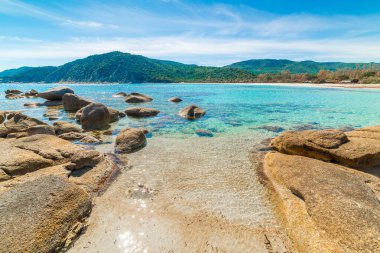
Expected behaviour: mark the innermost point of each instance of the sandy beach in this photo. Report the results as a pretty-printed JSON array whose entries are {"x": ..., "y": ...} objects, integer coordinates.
[{"x": 185, "y": 195}]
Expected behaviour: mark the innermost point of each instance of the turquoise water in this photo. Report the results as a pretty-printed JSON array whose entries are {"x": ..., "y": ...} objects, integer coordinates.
[{"x": 230, "y": 108}]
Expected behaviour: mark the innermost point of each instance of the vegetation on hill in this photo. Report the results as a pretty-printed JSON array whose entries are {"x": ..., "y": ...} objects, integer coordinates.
[
  {"x": 120, "y": 67},
  {"x": 303, "y": 67}
]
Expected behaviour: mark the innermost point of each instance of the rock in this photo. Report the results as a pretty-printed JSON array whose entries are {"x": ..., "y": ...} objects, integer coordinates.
[
  {"x": 72, "y": 136},
  {"x": 20, "y": 123},
  {"x": 3, "y": 131},
  {"x": 73, "y": 103},
  {"x": 275, "y": 129},
  {"x": 4, "y": 176},
  {"x": 78, "y": 114},
  {"x": 175, "y": 100},
  {"x": 192, "y": 112},
  {"x": 141, "y": 112},
  {"x": 122, "y": 114},
  {"x": 41, "y": 129},
  {"x": 32, "y": 92},
  {"x": 55, "y": 93},
  {"x": 85, "y": 158},
  {"x": 333, "y": 146},
  {"x": 114, "y": 115},
  {"x": 55, "y": 103},
  {"x": 53, "y": 118},
  {"x": 204, "y": 133},
  {"x": 130, "y": 140},
  {"x": 13, "y": 92},
  {"x": 3, "y": 117},
  {"x": 39, "y": 215},
  {"x": 324, "y": 207},
  {"x": 62, "y": 127},
  {"x": 89, "y": 139},
  {"x": 17, "y": 135},
  {"x": 35, "y": 152},
  {"x": 120, "y": 94},
  {"x": 95, "y": 116},
  {"x": 137, "y": 98},
  {"x": 31, "y": 104}
]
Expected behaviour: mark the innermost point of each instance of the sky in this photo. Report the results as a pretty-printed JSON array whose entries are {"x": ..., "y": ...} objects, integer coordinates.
[{"x": 204, "y": 32}]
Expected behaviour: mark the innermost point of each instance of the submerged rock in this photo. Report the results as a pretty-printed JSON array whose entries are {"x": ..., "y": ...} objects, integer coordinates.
[
  {"x": 73, "y": 103},
  {"x": 130, "y": 140},
  {"x": 204, "y": 133},
  {"x": 275, "y": 129},
  {"x": 175, "y": 100},
  {"x": 141, "y": 112},
  {"x": 95, "y": 116},
  {"x": 192, "y": 112},
  {"x": 137, "y": 98},
  {"x": 55, "y": 93},
  {"x": 41, "y": 215},
  {"x": 114, "y": 115},
  {"x": 120, "y": 94}
]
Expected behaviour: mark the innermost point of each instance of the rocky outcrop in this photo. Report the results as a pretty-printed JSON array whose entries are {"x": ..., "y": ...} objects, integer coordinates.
[
  {"x": 357, "y": 149},
  {"x": 192, "y": 112},
  {"x": 73, "y": 103},
  {"x": 32, "y": 153},
  {"x": 3, "y": 117},
  {"x": 175, "y": 99},
  {"x": 130, "y": 140},
  {"x": 62, "y": 127},
  {"x": 42, "y": 215},
  {"x": 55, "y": 93},
  {"x": 41, "y": 129},
  {"x": 84, "y": 159},
  {"x": 17, "y": 123},
  {"x": 141, "y": 112},
  {"x": 95, "y": 116},
  {"x": 325, "y": 204},
  {"x": 137, "y": 98},
  {"x": 324, "y": 207},
  {"x": 72, "y": 136}
]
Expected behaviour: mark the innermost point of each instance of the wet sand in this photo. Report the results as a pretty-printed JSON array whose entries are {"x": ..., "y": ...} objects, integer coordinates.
[{"x": 185, "y": 195}]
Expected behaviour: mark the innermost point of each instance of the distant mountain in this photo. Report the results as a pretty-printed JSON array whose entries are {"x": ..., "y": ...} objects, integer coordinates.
[
  {"x": 125, "y": 68},
  {"x": 118, "y": 67},
  {"x": 310, "y": 67}
]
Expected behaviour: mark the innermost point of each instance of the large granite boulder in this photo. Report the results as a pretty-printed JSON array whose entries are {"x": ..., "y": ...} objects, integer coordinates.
[
  {"x": 130, "y": 140},
  {"x": 135, "y": 97},
  {"x": 324, "y": 207},
  {"x": 41, "y": 129},
  {"x": 35, "y": 152},
  {"x": 141, "y": 112},
  {"x": 42, "y": 215},
  {"x": 73, "y": 103},
  {"x": 114, "y": 115},
  {"x": 192, "y": 112},
  {"x": 19, "y": 122},
  {"x": 357, "y": 149},
  {"x": 62, "y": 127},
  {"x": 95, "y": 116},
  {"x": 55, "y": 93}
]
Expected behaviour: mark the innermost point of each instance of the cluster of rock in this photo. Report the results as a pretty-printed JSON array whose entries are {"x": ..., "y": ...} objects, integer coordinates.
[
  {"x": 15, "y": 94},
  {"x": 46, "y": 190},
  {"x": 325, "y": 187}
]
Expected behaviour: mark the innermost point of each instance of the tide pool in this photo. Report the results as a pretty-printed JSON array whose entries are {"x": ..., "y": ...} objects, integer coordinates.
[{"x": 230, "y": 108}]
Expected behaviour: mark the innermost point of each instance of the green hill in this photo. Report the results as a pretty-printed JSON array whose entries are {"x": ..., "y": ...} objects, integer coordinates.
[
  {"x": 310, "y": 67},
  {"x": 127, "y": 68}
]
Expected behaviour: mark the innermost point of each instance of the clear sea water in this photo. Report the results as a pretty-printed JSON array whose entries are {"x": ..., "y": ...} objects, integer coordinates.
[{"x": 230, "y": 108}]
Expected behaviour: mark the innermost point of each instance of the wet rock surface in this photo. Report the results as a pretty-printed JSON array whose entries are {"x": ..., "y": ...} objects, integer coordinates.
[
  {"x": 175, "y": 99},
  {"x": 141, "y": 112},
  {"x": 135, "y": 97},
  {"x": 130, "y": 140},
  {"x": 192, "y": 112},
  {"x": 95, "y": 116},
  {"x": 55, "y": 93}
]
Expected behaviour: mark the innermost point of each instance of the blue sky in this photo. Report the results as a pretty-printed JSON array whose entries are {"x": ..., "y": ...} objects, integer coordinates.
[{"x": 206, "y": 32}]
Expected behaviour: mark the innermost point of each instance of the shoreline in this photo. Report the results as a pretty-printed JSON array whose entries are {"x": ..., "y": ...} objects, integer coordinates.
[{"x": 309, "y": 85}]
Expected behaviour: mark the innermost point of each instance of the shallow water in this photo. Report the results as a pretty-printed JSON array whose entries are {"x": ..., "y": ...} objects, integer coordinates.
[{"x": 230, "y": 108}]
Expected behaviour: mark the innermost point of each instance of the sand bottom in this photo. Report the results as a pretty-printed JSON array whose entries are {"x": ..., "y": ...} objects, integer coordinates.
[{"x": 185, "y": 195}]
